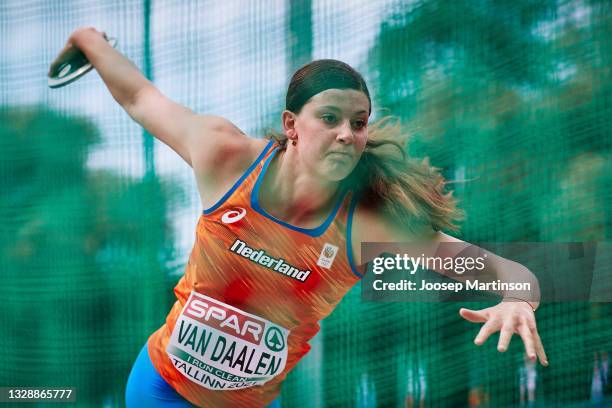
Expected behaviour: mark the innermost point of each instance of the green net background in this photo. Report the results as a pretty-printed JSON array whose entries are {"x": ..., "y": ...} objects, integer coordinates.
[{"x": 96, "y": 219}]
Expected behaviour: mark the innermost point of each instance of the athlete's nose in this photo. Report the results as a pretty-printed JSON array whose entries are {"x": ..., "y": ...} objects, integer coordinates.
[{"x": 345, "y": 133}]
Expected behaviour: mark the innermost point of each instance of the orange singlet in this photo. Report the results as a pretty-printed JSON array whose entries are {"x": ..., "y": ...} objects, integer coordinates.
[{"x": 253, "y": 293}]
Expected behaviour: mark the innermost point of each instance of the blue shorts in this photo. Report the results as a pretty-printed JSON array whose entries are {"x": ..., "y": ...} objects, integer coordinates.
[{"x": 146, "y": 388}]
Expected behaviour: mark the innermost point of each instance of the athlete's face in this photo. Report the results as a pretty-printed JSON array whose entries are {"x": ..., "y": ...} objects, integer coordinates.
[{"x": 331, "y": 132}]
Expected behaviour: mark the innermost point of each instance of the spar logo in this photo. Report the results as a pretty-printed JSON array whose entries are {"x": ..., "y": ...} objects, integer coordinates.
[
  {"x": 274, "y": 339},
  {"x": 220, "y": 317},
  {"x": 234, "y": 215}
]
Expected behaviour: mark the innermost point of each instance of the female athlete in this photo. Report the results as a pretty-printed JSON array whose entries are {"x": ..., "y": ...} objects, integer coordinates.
[{"x": 278, "y": 244}]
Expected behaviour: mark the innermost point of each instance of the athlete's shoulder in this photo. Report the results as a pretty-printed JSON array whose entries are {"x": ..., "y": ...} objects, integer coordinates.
[
  {"x": 220, "y": 145},
  {"x": 257, "y": 146},
  {"x": 245, "y": 153},
  {"x": 371, "y": 225},
  {"x": 216, "y": 172}
]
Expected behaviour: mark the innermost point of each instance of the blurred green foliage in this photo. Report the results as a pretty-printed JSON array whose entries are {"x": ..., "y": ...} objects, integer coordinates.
[{"x": 82, "y": 258}]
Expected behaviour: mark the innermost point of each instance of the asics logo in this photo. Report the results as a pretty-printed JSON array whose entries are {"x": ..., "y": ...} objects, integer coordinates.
[{"x": 232, "y": 216}]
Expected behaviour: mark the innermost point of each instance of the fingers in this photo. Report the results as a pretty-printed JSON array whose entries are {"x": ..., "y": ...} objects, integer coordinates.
[
  {"x": 474, "y": 316},
  {"x": 83, "y": 31},
  {"x": 486, "y": 330},
  {"x": 505, "y": 335},
  {"x": 86, "y": 29},
  {"x": 526, "y": 328},
  {"x": 508, "y": 322},
  {"x": 528, "y": 340},
  {"x": 531, "y": 338},
  {"x": 539, "y": 347},
  {"x": 70, "y": 49},
  {"x": 480, "y": 316}
]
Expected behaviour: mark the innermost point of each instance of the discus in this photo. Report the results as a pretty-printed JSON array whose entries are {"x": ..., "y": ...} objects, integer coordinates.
[{"x": 73, "y": 65}]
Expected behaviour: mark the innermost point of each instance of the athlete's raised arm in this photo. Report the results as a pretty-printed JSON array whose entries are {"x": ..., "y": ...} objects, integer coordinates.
[{"x": 194, "y": 137}]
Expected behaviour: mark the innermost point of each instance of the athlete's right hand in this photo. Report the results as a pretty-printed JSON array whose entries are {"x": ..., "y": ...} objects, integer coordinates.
[{"x": 71, "y": 48}]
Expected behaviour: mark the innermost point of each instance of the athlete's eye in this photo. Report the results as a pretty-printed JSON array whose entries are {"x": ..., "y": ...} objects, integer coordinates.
[
  {"x": 328, "y": 118},
  {"x": 360, "y": 124}
]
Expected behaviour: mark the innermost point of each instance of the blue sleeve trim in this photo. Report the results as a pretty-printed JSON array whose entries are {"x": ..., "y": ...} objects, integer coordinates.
[
  {"x": 349, "y": 228},
  {"x": 240, "y": 180}
]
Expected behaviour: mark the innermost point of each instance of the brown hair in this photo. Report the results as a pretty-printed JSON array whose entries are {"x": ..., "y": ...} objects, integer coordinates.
[
  {"x": 319, "y": 75},
  {"x": 407, "y": 190}
]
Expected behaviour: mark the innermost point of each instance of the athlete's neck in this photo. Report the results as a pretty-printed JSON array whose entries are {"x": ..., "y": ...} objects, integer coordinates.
[{"x": 295, "y": 196}]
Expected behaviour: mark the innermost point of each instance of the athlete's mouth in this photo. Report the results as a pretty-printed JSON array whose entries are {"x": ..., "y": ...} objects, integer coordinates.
[{"x": 341, "y": 154}]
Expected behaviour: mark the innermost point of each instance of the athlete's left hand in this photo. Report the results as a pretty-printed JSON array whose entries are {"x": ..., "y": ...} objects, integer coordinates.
[{"x": 508, "y": 318}]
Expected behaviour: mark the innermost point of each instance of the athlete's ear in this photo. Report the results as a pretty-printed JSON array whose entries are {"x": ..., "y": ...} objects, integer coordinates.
[{"x": 288, "y": 119}]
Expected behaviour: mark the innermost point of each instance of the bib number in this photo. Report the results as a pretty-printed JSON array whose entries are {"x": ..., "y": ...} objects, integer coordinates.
[{"x": 220, "y": 347}]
